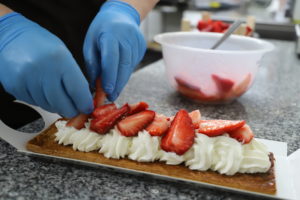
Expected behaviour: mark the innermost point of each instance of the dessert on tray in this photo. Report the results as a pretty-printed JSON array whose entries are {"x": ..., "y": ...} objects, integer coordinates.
[
  {"x": 219, "y": 152},
  {"x": 184, "y": 146}
]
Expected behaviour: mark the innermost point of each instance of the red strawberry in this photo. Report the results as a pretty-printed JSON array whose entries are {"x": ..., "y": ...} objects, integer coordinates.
[
  {"x": 103, "y": 124},
  {"x": 181, "y": 134},
  {"x": 196, "y": 118},
  {"x": 217, "y": 27},
  {"x": 224, "y": 85},
  {"x": 78, "y": 121},
  {"x": 138, "y": 107},
  {"x": 208, "y": 28},
  {"x": 99, "y": 94},
  {"x": 159, "y": 125},
  {"x": 194, "y": 115},
  {"x": 193, "y": 92},
  {"x": 249, "y": 31},
  {"x": 131, "y": 125},
  {"x": 225, "y": 26},
  {"x": 104, "y": 110},
  {"x": 218, "y": 127},
  {"x": 202, "y": 24},
  {"x": 243, "y": 134}
]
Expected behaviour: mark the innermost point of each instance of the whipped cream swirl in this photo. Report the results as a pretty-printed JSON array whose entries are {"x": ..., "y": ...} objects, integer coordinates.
[
  {"x": 144, "y": 148},
  {"x": 114, "y": 145},
  {"x": 82, "y": 140}
]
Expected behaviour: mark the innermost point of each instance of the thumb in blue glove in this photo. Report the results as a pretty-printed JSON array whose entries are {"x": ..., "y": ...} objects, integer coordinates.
[
  {"x": 36, "y": 67},
  {"x": 113, "y": 46}
]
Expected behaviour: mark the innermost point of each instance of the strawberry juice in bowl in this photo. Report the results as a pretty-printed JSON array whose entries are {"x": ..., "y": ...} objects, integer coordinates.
[{"x": 211, "y": 76}]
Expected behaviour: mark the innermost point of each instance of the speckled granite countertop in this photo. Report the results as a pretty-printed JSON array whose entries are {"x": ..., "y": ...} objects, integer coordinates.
[{"x": 271, "y": 107}]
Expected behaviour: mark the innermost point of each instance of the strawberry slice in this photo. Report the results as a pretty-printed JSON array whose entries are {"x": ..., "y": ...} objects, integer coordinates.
[
  {"x": 78, "y": 121},
  {"x": 249, "y": 31},
  {"x": 203, "y": 24},
  {"x": 104, "y": 110},
  {"x": 196, "y": 118},
  {"x": 193, "y": 92},
  {"x": 194, "y": 115},
  {"x": 104, "y": 124},
  {"x": 217, "y": 27},
  {"x": 243, "y": 134},
  {"x": 218, "y": 127},
  {"x": 131, "y": 125},
  {"x": 159, "y": 125},
  {"x": 224, "y": 84},
  {"x": 99, "y": 94},
  {"x": 138, "y": 107},
  {"x": 181, "y": 134}
]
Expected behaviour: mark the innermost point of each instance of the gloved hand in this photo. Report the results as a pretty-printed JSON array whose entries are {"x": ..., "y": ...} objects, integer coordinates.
[
  {"x": 36, "y": 67},
  {"x": 113, "y": 46}
]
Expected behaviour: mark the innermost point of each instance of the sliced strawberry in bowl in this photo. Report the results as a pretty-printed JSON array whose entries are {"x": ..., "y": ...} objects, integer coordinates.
[
  {"x": 104, "y": 124},
  {"x": 218, "y": 127},
  {"x": 104, "y": 110},
  {"x": 159, "y": 126},
  {"x": 138, "y": 107},
  {"x": 181, "y": 134},
  {"x": 132, "y": 124},
  {"x": 224, "y": 85},
  {"x": 194, "y": 92},
  {"x": 241, "y": 88},
  {"x": 243, "y": 134}
]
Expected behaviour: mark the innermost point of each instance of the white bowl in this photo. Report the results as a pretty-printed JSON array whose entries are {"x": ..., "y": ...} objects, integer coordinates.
[{"x": 211, "y": 76}]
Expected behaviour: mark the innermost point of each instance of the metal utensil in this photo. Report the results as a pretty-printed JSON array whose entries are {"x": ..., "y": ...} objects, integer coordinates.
[{"x": 229, "y": 31}]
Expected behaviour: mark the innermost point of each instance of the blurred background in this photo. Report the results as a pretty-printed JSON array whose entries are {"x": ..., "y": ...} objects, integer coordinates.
[{"x": 275, "y": 19}]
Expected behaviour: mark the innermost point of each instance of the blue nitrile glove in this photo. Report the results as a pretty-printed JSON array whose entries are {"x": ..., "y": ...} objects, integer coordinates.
[
  {"x": 36, "y": 67},
  {"x": 113, "y": 46}
]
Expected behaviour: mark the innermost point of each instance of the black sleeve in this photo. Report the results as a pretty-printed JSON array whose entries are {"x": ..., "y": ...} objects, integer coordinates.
[{"x": 67, "y": 19}]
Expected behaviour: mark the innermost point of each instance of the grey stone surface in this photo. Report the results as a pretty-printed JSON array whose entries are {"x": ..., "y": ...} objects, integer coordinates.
[{"x": 271, "y": 107}]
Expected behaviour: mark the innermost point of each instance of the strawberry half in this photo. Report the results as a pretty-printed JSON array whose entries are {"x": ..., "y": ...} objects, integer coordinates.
[
  {"x": 224, "y": 84},
  {"x": 181, "y": 134},
  {"x": 131, "y": 125},
  {"x": 159, "y": 125},
  {"x": 104, "y": 124},
  {"x": 243, "y": 134},
  {"x": 218, "y": 127},
  {"x": 78, "y": 121},
  {"x": 195, "y": 115},
  {"x": 104, "y": 110},
  {"x": 196, "y": 118},
  {"x": 138, "y": 107}
]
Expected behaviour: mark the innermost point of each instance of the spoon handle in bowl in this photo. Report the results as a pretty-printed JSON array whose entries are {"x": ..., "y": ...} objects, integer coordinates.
[{"x": 229, "y": 31}]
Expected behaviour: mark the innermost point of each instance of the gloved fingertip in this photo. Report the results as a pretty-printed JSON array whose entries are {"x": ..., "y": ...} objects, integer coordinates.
[
  {"x": 70, "y": 114},
  {"x": 112, "y": 97},
  {"x": 108, "y": 88},
  {"x": 89, "y": 109}
]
